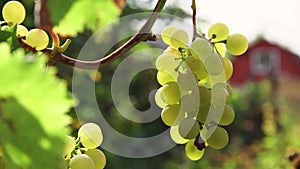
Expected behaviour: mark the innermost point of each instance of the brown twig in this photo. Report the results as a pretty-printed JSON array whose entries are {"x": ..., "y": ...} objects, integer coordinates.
[
  {"x": 142, "y": 35},
  {"x": 194, "y": 8}
]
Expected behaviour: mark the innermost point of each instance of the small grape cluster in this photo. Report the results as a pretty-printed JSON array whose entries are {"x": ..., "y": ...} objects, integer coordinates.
[
  {"x": 82, "y": 152},
  {"x": 14, "y": 13},
  {"x": 194, "y": 86}
]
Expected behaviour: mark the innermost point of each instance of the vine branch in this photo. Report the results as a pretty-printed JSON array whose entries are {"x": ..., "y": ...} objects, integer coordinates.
[
  {"x": 194, "y": 8},
  {"x": 142, "y": 35}
]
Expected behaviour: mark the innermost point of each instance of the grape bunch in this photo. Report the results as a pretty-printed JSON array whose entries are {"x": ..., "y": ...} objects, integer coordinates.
[
  {"x": 14, "y": 13},
  {"x": 194, "y": 92},
  {"x": 82, "y": 152}
]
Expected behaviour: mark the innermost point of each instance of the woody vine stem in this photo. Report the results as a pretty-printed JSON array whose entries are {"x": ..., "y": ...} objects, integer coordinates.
[{"x": 142, "y": 35}]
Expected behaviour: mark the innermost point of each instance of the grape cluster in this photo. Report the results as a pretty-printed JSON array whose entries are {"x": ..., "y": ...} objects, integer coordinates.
[
  {"x": 194, "y": 84},
  {"x": 82, "y": 152},
  {"x": 14, "y": 13}
]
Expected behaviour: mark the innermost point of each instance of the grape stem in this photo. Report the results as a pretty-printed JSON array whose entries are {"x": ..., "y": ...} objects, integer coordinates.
[
  {"x": 141, "y": 36},
  {"x": 194, "y": 8}
]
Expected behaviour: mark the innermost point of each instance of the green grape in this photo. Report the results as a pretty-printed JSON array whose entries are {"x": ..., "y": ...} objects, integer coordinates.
[
  {"x": 81, "y": 161},
  {"x": 21, "y": 31},
  {"x": 192, "y": 152},
  {"x": 228, "y": 68},
  {"x": 227, "y": 116},
  {"x": 189, "y": 128},
  {"x": 220, "y": 49},
  {"x": 201, "y": 48},
  {"x": 168, "y": 63},
  {"x": 166, "y": 34},
  {"x": 158, "y": 99},
  {"x": 237, "y": 44},
  {"x": 186, "y": 80},
  {"x": 203, "y": 113},
  {"x": 219, "y": 93},
  {"x": 171, "y": 115},
  {"x": 197, "y": 67},
  {"x": 171, "y": 93},
  {"x": 13, "y": 12},
  {"x": 90, "y": 135},
  {"x": 98, "y": 157},
  {"x": 173, "y": 52},
  {"x": 179, "y": 38},
  {"x": 214, "y": 65},
  {"x": 37, "y": 38},
  {"x": 218, "y": 32},
  {"x": 229, "y": 92},
  {"x": 69, "y": 147},
  {"x": 176, "y": 137},
  {"x": 164, "y": 77},
  {"x": 189, "y": 103},
  {"x": 204, "y": 96},
  {"x": 216, "y": 137}
]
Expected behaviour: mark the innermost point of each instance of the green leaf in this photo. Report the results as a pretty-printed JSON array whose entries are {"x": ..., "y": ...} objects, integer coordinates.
[
  {"x": 33, "y": 117},
  {"x": 83, "y": 14}
]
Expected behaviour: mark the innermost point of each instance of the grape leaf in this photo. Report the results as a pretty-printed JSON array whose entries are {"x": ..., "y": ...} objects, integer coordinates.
[
  {"x": 82, "y": 14},
  {"x": 33, "y": 124}
]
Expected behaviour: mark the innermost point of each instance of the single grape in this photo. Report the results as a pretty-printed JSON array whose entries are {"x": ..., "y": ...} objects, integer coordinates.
[
  {"x": 201, "y": 49},
  {"x": 13, "y": 12},
  {"x": 168, "y": 63},
  {"x": 218, "y": 32},
  {"x": 164, "y": 77},
  {"x": 171, "y": 115},
  {"x": 166, "y": 34},
  {"x": 69, "y": 147},
  {"x": 171, "y": 93},
  {"x": 81, "y": 161},
  {"x": 204, "y": 96},
  {"x": 179, "y": 38},
  {"x": 228, "y": 68},
  {"x": 37, "y": 38},
  {"x": 220, "y": 49},
  {"x": 237, "y": 44},
  {"x": 216, "y": 137},
  {"x": 21, "y": 31},
  {"x": 196, "y": 67},
  {"x": 176, "y": 137},
  {"x": 98, "y": 157},
  {"x": 158, "y": 99},
  {"x": 227, "y": 116},
  {"x": 189, "y": 128},
  {"x": 219, "y": 94},
  {"x": 214, "y": 65},
  {"x": 186, "y": 80},
  {"x": 90, "y": 135},
  {"x": 192, "y": 152},
  {"x": 203, "y": 113}
]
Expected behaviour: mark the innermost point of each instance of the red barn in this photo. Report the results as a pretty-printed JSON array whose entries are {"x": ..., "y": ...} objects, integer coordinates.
[{"x": 263, "y": 57}]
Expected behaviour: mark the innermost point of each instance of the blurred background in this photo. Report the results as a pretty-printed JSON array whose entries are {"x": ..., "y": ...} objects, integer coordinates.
[{"x": 266, "y": 85}]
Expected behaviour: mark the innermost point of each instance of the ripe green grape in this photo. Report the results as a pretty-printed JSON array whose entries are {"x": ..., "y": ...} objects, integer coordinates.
[
  {"x": 171, "y": 115},
  {"x": 173, "y": 52},
  {"x": 164, "y": 77},
  {"x": 90, "y": 135},
  {"x": 186, "y": 80},
  {"x": 21, "y": 31},
  {"x": 168, "y": 63},
  {"x": 203, "y": 113},
  {"x": 216, "y": 137},
  {"x": 192, "y": 152},
  {"x": 158, "y": 99},
  {"x": 166, "y": 34},
  {"x": 219, "y": 93},
  {"x": 220, "y": 49},
  {"x": 98, "y": 158},
  {"x": 13, "y": 12},
  {"x": 204, "y": 96},
  {"x": 179, "y": 38},
  {"x": 37, "y": 38},
  {"x": 69, "y": 147},
  {"x": 176, "y": 137},
  {"x": 81, "y": 161},
  {"x": 228, "y": 68},
  {"x": 214, "y": 65},
  {"x": 197, "y": 67},
  {"x": 227, "y": 116},
  {"x": 201, "y": 49},
  {"x": 171, "y": 93},
  {"x": 189, "y": 128},
  {"x": 218, "y": 32},
  {"x": 189, "y": 103},
  {"x": 237, "y": 44}
]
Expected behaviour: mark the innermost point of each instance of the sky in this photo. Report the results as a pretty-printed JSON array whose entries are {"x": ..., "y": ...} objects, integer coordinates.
[{"x": 277, "y": 20}]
